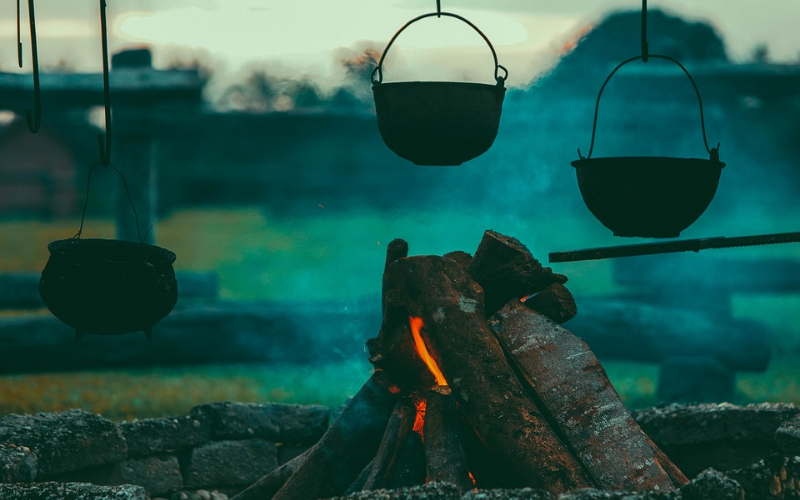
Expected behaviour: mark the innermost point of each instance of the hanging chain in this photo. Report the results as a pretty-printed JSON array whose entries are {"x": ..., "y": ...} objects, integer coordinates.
[{"x": 645, "y": 48}]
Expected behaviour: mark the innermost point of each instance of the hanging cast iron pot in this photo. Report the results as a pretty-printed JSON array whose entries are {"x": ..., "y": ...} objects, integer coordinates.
[
  {"x": 649, "y": 197},
  {"x": 438, "y": 123},
  {"x": 108, "y": 287}
]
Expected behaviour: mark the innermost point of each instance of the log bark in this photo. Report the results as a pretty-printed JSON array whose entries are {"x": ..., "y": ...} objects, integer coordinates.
[
  {"x": 488, "y": 392},
  {"x": 267, "y": 486},
  {"x": 410, "y": 467},
  {"x": 462, "y": 258},
  {"x": 555, "y": 302},
  {"x": 400, "y": 423},
  {"x": 505, "y": 269},
  {"x": 444, "y": 455},
  {"x": 343, "y": 451},
  {"x": 562, "y": 373}
]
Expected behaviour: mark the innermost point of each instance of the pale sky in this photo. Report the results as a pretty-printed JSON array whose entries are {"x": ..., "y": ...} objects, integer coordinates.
[{"x": 307, "y": 38}]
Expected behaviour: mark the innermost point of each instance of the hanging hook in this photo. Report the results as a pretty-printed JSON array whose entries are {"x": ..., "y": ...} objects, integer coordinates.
[
  {"x": 645, "y": 48},
  {"x": 35, "y": 119},
  {"x": 438, "y": 8},
  {"x": 19, "y": 39},
  {"x": 105, "y": 143}
]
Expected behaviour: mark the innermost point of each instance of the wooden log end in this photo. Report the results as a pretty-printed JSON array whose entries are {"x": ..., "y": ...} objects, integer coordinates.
[{"x": 554, "y": 302}]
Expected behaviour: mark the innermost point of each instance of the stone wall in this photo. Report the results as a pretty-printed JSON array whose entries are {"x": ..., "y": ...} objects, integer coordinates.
[{"x": 211, "y": 453}]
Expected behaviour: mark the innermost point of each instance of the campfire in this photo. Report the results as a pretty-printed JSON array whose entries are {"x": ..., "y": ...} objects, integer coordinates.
[{"x": 476, "y": 383}]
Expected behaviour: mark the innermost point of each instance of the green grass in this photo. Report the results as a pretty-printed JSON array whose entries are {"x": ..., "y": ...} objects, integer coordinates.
[{"x": 334, "y": 256}]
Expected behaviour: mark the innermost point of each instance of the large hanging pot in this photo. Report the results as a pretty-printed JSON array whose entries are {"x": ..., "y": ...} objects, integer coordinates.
[
  {"x": 108, "y": 287},
  {"x": 651, "y": 197},
  {"x": 438, "y": 123}
]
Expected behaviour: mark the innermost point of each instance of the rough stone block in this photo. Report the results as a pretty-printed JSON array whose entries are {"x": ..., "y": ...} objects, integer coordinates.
[
  {"x": 232, "y": 463},
  {"x": 720, "y": 436},
  {"x": 70, "y": 491},
  {"x": 712, "y": 485},
  {"x": 17, "y": 464},
  {"x": 773, "y": 477},
  {"x": 65, "y": 441},
  {"x": 158, "y": 474},
  {"x": 430, "y": 491},
  {"x": 677, "y": 424},
  {"x": 278, "y": 422},
  {"x": 787, "y": 437},
  {"x": 159, "y": 435},
  {"x": 506, "y": 494}
]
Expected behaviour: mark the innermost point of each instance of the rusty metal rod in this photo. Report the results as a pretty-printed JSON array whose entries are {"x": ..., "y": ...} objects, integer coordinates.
[{"x": 694, "y": 245}]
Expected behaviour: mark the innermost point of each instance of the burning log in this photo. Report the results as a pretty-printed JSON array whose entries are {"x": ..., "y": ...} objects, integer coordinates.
[
  {"x": 573, "y": 390},
  {"x": 443, "y": 452},
  {"x": 491, "y": 398},
  {"x": 555, "y": 302},
  {"x": 341, "y": 454},
  {"x": 506, "y": 270},
  {"x": 268, "y": 485}
]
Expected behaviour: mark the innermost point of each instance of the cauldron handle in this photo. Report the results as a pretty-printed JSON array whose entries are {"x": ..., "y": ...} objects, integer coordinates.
[
  {"x": 377, "y": 73},
  {"x": 713, "y": 153}
]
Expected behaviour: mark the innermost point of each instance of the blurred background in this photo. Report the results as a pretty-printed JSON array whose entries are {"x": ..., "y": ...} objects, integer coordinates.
[{"x": 247, "y": 134}]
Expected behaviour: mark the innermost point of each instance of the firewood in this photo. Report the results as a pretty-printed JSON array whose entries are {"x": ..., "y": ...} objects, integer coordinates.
[
  {"x": 444, "y": 455},
  {"x": 268, "y": 485},
  {"x": 555, "y": 302},
  {"x": 677, "y": 477},
  {"x": 343, "y": 451},
  {"x": 462, "y": 258},
  {"x": 450, "y": 303},
  {"x": 400, "y": 423},
  {"x": 410, "y": 467},
  {"x": 505, "y": 269},
  {"x": 564, "y": 376}
]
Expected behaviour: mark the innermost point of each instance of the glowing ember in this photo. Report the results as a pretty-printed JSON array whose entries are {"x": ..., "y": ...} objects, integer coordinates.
[
  {"x": 416, "y": 326},
  {"x": 525, "y": 298},
  {"x": 419, "y": 421},
  {"x": 472, "y": 478}
]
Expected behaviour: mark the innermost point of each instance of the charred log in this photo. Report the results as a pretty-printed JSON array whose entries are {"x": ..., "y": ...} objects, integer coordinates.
[
  {"x": 268, "y": 485},
  {"x": 382, "y": 466},
  {"x": 555, "y": 302},
  {"x": 563, "y": 375},
  {"x": 343, "y": 451},
  {"x": 505, "y": 269},
  {"x": 443, "y": 452}
]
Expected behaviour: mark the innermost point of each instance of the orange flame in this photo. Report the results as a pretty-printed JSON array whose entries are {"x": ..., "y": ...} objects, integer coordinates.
[
  {"x": 416, "y": 326},
  {"x": 472, "y": 478}
]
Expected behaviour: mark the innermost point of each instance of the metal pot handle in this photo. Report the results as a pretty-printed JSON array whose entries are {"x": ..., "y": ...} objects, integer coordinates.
[
  {"x": 713, "y": 153},
  {"x": 377, "y": 73}
]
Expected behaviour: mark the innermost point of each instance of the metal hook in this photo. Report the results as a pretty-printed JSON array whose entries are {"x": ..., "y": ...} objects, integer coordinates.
[
  {"x": 19, "y": 39},
  {"x": 645, "y": 48},
  {"x": 35, "y": 119},
  {"x": 438, "y": 8},
  {"x": 105, "y": 143}
]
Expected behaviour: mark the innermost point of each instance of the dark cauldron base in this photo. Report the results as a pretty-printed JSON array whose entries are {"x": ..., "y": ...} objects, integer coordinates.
[{"x": 648, "y": 197}]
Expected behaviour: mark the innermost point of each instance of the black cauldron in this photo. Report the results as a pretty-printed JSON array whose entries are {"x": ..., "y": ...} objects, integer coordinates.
[
  {"x": 649, "y": 197},
  {"x": 438, "y": 123},
  {"x": 108, "y": 287}
]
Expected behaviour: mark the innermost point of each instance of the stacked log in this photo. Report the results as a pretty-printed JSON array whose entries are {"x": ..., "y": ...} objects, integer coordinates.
[{"x": 512, "y": 384}]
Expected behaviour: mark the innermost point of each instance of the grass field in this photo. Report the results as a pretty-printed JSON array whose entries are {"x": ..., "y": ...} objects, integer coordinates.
[{"x": 332, "y": 256}]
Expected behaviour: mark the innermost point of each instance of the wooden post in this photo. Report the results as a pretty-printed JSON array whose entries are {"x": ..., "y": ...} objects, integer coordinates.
[{"x": 135, "y": 156}]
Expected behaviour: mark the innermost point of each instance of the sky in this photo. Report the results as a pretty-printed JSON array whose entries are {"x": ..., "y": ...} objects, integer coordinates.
[{"x": 309, "y": 38}]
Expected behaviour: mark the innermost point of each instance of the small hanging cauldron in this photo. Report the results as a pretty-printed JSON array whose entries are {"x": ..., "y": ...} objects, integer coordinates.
[
  {"x": 649, "y": 197},
  {"x": 108, "y": 287},
  {"x": 438, "y": 123}
]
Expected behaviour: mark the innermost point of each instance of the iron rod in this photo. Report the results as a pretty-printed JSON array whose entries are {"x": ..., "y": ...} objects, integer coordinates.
[{"x": 694, "y": 245}]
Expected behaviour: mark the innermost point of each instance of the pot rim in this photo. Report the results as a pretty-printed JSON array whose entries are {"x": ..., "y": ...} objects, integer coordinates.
[
  {"x": 153, "y": 254},
  {"x": 583, "y": 162}
]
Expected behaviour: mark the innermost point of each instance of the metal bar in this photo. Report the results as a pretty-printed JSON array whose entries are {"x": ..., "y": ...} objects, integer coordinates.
[{"x": 694, "y": 245}]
